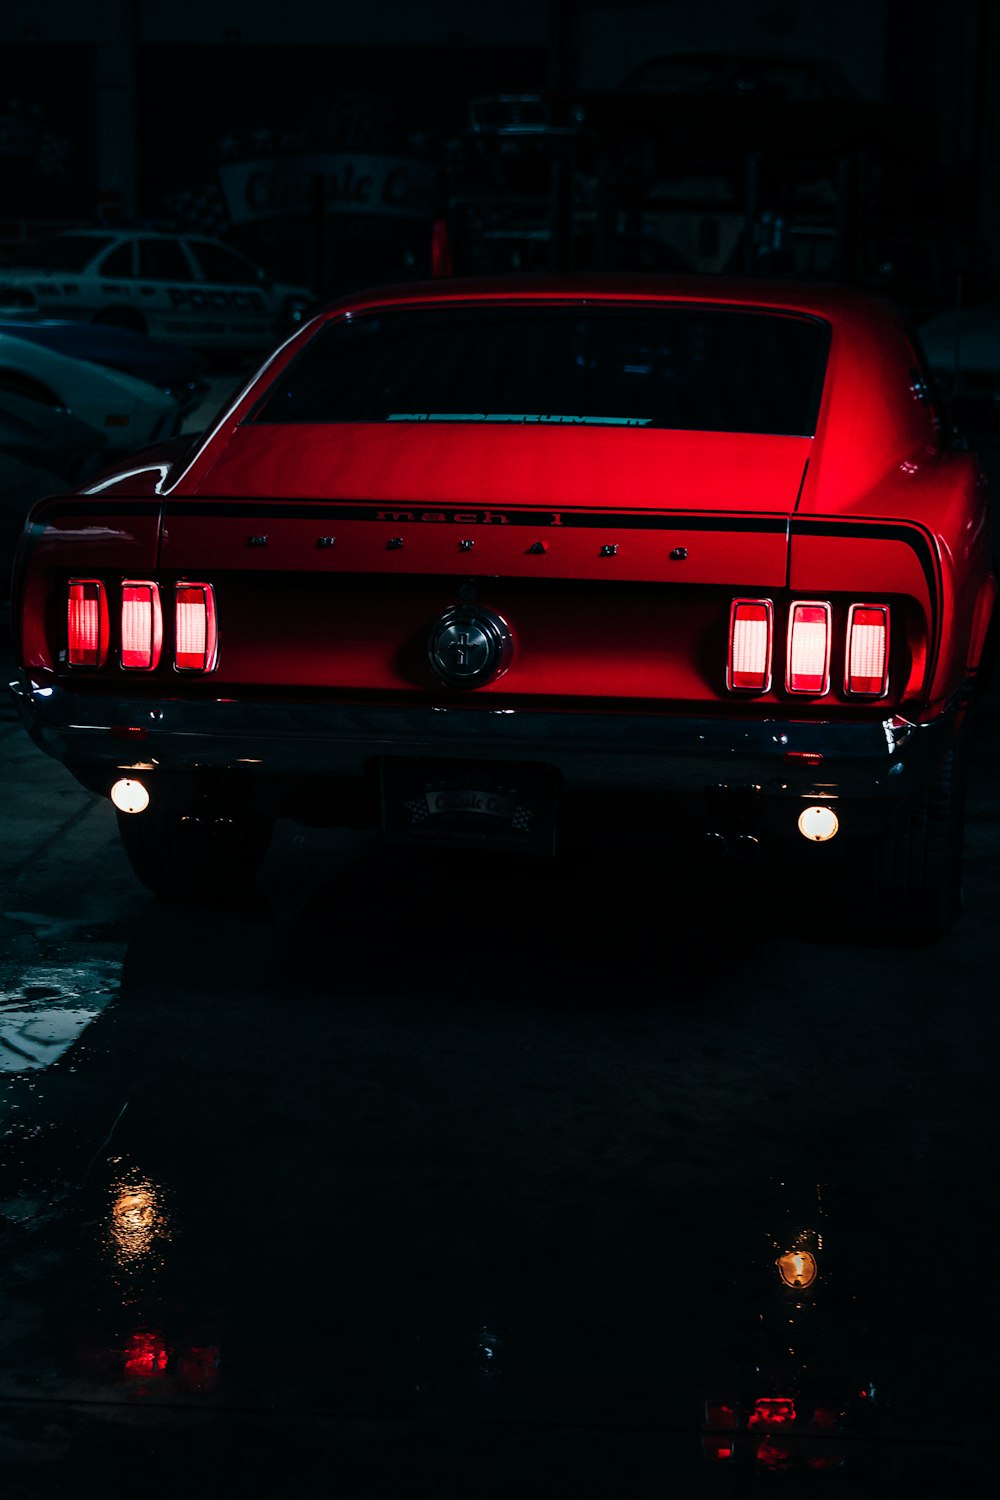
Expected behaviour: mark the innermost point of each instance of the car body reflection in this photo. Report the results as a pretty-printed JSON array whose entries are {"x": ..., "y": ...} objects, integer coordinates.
[{"x": 810, "y": 1391}]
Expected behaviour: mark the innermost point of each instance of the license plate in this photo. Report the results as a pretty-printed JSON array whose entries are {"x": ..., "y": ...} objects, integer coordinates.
[{"x": 469, "y": 804}]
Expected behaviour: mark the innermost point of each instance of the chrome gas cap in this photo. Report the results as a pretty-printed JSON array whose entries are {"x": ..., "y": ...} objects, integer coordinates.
[{"x": 469, "y": 646}]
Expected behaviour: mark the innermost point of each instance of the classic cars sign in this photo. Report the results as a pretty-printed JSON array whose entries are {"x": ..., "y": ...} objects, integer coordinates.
[{"x": 355, "y": 183}]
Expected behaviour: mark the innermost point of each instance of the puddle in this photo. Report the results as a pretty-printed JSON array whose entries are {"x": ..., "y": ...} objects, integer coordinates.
[{"x": 44, "y": 1011}]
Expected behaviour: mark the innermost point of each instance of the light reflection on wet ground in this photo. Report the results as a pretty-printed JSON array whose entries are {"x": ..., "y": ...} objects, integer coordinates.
[
  {"x": 43, "y": 1010},
  {"x": 478, "y": 1190},
  {"x": 357, "y": 1187}
]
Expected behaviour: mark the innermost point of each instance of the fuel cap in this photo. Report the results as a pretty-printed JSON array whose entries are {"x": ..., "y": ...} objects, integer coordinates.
[{"x": 468, "y": 646}]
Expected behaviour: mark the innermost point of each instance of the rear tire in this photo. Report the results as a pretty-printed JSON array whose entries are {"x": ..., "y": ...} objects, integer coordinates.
[
  {"x": 918, "y": 861},
  {"x": 186, "y": 857}
]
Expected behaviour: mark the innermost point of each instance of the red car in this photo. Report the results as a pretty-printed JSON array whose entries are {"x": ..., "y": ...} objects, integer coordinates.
[{"x": 501, "y": 563}]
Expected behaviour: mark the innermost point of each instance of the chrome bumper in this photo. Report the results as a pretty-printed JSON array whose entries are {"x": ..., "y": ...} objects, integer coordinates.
[{"x": 630, "y": 751}]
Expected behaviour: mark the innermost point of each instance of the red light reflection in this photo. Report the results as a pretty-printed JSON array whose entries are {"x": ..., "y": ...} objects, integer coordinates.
[
  {"x": 145, "y": 1354},
  {"x": 772, "y": 1411},
  {"x": 772, "y": 1455}
]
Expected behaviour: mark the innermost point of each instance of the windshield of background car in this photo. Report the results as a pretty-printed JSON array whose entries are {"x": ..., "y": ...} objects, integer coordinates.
[
  {"x": 702, "y": 369},
  {"x": 64, "y": 252},
  {"x": 221, "y": 264}
]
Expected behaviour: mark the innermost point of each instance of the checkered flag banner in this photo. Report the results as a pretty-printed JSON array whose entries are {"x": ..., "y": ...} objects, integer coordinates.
[
  {"x": 53, "y": 151},
  {"x": 203, "y": 209}
]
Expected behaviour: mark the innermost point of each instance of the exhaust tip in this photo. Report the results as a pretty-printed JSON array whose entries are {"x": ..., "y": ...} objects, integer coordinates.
[{"x": 129, "y": 796}]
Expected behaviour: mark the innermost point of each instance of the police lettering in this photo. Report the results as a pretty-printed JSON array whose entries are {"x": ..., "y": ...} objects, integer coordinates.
[{"x": 216, "y": 300}]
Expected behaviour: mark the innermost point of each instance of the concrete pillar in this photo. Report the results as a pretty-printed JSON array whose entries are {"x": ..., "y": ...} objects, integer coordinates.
[{"x": 116, "y": 123}]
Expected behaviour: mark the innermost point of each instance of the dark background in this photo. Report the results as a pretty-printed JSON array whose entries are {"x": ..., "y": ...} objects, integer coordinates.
[
  {"x": 124, "y": 111},
  {"x": 461, "y": 1182}
]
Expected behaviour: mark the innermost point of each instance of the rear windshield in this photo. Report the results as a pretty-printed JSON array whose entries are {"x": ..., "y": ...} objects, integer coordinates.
[
  {"x": 64, "y": 252},
  {"x": 693, "y": 368}
]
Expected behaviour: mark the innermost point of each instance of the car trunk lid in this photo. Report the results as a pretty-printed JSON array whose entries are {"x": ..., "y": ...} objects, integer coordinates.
[{"x": 463, "y": 464}]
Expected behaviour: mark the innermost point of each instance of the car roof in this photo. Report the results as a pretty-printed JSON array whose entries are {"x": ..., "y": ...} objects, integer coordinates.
[
  {"x": 829, "y": 301},
  {"x": 124, "y": 234}
]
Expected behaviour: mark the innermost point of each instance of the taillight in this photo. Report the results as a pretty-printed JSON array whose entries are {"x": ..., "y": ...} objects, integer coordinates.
[
  {"x": 772, "y": 1411},
  {"x": 809, "y": 649},
  {"x": 196, "y": 632},
  {"x": 867, "y": 650},
  {"x": 142, "y": 625},
  {"x": 87, "y": 623},
  {"x": 750, "y": 631}
]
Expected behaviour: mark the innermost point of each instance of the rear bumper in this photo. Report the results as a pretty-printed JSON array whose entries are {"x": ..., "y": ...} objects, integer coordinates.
[{"x": 100, "y": 738}]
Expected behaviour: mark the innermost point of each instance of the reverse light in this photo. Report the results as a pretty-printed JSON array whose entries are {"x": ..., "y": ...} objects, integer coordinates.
[
  {"x": 129, "y": 796},
  {"x": 196, "y": 633},
  {"x": 808, "y": 668},
  {"x": 87, "y": 623},
  {"x": 750, "y": 632},
  {"x": 818, "y": 824},
  {"x": 867, "y": 671},
  {"x": 797, "y": 1268},
  {"x": 142, "y": 625}
]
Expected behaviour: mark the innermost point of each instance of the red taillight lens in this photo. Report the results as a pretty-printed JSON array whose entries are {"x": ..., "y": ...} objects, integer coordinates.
[
  {"x": 868, "y": 650},
  {"x": 809, "y": 649},
  {"x": 142, "y": 625},
  {"x": 772, "y": 1411},
  {"x": 196, "y": 633},
  {"x": 87, "y": 623},
  {"x": 750, "y": 632}
]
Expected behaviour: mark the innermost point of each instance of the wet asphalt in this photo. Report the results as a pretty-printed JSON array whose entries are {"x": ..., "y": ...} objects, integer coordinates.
[
  {"x": 451, "y": 1179},
  {"x": 464, "y": 1178}
]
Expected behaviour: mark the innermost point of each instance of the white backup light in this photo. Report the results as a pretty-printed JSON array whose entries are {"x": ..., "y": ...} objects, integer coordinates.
[
  {"x": 129, "y": 796},
  {"x": 817, "y": 824}
]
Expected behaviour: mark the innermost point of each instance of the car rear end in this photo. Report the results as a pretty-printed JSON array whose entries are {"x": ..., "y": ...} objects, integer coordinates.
[{"x": 505, "y": 571}]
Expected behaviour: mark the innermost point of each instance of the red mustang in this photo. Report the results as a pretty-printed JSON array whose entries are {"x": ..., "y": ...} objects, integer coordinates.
[{"x": 492, "y": 562}]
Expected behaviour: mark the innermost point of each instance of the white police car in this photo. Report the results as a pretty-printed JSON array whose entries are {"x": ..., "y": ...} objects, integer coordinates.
[{"x": 185, "y": 287}]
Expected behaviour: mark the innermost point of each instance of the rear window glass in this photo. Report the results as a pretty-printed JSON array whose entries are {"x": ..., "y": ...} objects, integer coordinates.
[{"x": 692, "y": 368}]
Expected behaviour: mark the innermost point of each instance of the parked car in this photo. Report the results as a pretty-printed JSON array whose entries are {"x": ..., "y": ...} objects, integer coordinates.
[
  {"x": 499, "y": 565},
  {"x": 43, "y": 451},
  {"x": 170, "y": 367},
  {"x": 46, "y": 437},
  {"x": 186, "y": 287},
  {"x": 963, "y": 351},
  {"x": 131, "y": 413}
]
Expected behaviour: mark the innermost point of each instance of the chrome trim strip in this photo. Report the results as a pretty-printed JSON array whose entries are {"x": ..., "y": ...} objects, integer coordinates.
[{"x": 876, "y": 758}]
